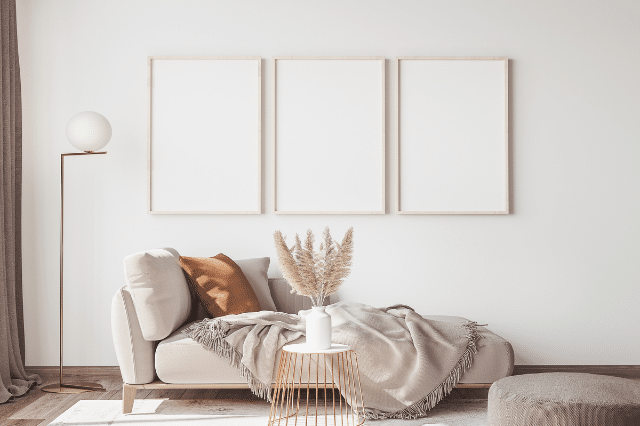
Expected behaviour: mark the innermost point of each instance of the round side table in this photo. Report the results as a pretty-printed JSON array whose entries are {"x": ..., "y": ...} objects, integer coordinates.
[{"x": 315, "y": 387}]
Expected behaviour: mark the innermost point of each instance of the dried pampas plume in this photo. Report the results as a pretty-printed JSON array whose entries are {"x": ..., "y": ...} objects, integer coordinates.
[{"x": 315, "y": 274}]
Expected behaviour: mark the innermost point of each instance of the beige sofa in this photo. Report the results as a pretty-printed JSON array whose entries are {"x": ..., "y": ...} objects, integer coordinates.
[{"x": 149, "y": 313}]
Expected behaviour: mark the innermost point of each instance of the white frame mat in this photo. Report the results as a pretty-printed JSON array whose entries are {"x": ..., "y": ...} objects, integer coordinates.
[
  {"x": 205, "y": 135},
  {"x": 452, "y": 135},
  {"x": 329, "y": 135}
]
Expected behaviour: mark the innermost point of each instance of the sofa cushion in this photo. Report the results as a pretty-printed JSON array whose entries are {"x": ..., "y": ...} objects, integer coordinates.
[
  {"x": 179, "y": 359},
  {"x": 159, "y": 291},
  {"x": 256, "y": 272},
  {"x": 220, "y": 285}
]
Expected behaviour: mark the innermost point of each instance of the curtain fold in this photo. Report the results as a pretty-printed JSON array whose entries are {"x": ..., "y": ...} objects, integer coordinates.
[{"x": 13, "y": 379}]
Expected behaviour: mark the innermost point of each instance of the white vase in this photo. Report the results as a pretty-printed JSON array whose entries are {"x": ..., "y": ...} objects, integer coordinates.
[{"x": 318, "y": 324}]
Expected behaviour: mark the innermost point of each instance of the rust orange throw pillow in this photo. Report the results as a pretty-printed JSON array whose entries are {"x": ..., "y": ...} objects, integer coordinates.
[{"x": 220, "y": 285}]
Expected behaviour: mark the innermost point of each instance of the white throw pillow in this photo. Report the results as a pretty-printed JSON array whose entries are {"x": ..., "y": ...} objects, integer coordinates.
[
  {"x": 256, "y": 272},
  {"x": 159, "y": 291}
]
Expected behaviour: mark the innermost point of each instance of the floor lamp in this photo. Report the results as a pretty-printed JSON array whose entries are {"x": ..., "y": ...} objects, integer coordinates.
[{"x": 89, "y": 132}]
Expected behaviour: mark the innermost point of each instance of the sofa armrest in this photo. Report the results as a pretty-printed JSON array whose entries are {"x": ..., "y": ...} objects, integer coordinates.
[{"x": 135, "y": 354}]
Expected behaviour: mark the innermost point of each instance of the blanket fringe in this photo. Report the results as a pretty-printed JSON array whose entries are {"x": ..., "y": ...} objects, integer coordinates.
[
  {"x": 422, "y": 407},
  {"x": 211, "y": 334}
]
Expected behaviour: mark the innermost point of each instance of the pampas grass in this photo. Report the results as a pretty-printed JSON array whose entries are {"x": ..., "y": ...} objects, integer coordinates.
[{"x": 315, "y": 274}]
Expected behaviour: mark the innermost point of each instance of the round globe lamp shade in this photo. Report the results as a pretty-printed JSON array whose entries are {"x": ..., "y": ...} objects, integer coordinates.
[{"x": 89, "y": 131}]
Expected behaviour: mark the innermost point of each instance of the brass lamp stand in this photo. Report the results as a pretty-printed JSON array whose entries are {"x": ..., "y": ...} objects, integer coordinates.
[{"x": 77, "y": 386}]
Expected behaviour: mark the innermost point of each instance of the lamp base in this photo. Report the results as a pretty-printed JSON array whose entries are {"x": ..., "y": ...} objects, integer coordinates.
[{"x": 75, "y": 387}]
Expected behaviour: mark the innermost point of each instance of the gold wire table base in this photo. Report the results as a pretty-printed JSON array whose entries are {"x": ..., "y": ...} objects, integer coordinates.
[{"x": 317, "y": 388}]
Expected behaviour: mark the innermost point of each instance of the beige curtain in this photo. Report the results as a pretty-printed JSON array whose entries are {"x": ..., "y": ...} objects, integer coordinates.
[{"x": 13, "y": 379}]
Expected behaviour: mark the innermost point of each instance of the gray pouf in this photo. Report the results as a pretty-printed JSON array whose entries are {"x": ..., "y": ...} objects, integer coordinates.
[{"x": 559, "y": 399}]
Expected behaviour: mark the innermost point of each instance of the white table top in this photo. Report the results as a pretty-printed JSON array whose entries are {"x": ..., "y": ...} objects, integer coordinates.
[{"x": 302, "y": 348}]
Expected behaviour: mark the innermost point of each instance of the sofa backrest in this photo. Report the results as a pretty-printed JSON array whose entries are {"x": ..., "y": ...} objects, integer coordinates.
[{"x": 286, "y": 301}]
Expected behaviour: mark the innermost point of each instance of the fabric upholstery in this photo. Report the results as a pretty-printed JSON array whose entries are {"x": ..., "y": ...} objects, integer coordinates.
[
  {"x": 494, "y": 359},
  {"x": 404, "y": 371},
  {"x": 256, "y": 272},
  {"x": 288, "y": 302},
  {"x": 220, "y": 285},
  {"x": 134, "y": 353},
  {"x": 564, "y": 399},
  {"x": 179, "y": 359},
  {"x": 13, "y": 379},
  {"x": 159, "y": 291}
]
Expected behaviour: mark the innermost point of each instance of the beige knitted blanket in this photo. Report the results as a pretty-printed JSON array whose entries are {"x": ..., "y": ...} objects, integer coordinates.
[{"x": 407, "y": 363}]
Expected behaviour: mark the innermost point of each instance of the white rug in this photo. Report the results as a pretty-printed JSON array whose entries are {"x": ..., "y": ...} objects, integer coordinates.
[{"x": 149, "y": 412}]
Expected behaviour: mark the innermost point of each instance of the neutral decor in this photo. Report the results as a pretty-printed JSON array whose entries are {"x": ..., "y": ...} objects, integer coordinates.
[
  {"x": 335, "y": 393},
  {"x": 564, "y": 399},
  {"x": 154, "y": 280},
  {"x": 219, "y": 285},
  {"x": 318, "y": 328},
  {"x": 205, "y": 138},
  {"x": 153, "y": 352},
  {"x": 329, "y": 135},
  {"x": 89, "y": 131},
  {"x": 316, "y": 275},
  {"x": 13, "y": 379},
  {"x": 386, "y": 341},
  {"x": 452, "y": 135}
]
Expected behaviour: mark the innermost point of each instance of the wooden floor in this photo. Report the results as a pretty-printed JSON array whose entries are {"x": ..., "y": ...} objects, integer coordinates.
[{"x": 39, "y": 408}]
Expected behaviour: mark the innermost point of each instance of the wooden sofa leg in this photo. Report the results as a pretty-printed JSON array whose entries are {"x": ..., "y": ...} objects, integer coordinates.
[{"x": 128, "y": 396}]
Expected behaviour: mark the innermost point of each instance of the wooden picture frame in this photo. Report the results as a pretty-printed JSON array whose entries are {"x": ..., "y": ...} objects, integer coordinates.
[
  {"x": 204, "y": 151},
  {"x": 329, "y": 135},
  {"x": 452, "y": 142}
]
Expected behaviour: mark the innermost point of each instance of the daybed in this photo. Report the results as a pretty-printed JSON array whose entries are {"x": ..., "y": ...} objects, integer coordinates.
[{"x": 149, "y": 313}]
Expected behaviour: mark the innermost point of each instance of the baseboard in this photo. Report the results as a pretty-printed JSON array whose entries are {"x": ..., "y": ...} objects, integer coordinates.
[
  {"x": 54, "y": 371},
  {"x": 626, "y": 371}
]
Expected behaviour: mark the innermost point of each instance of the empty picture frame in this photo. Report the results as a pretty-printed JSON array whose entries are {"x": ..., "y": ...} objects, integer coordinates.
[
  {"x": 204, "y": 146},
  {"x": 452, "y": 141},
  {"x": 329, "y": 135}
]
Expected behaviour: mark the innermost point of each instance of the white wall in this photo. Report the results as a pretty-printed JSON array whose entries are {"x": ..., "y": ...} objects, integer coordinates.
[{"x": 559, "y": 277}]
